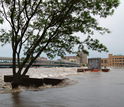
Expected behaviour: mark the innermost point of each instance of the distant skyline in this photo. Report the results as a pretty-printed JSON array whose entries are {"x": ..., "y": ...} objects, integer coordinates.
[{"x": 114, "y": 41}]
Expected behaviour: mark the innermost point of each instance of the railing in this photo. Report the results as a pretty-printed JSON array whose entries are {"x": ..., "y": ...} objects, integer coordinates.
[{"x": 44, "y": 64}]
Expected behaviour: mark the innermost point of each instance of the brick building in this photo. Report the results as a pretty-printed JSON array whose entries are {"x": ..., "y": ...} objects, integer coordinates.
[{"x": 113, "y": 60}]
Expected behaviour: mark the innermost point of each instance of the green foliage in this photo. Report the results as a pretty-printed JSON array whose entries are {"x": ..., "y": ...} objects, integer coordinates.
[
  {"x": 1, "y": 20},
  {"x": 5, "y": 37},
  {"x": 50, "y": 26},
  {"x": 95, "y": 45}
]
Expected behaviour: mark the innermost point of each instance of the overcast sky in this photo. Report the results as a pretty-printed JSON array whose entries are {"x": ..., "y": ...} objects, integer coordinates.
[{"x": 114, "y": 41}]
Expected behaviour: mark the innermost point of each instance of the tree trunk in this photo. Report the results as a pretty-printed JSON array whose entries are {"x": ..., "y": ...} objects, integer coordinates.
[
  {"x": 17, "y": 79},
  {"x": 14, "y": 63}
]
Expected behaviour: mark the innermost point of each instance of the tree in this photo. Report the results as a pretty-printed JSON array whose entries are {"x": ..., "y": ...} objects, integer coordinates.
[{"x": 48, "y": 26}]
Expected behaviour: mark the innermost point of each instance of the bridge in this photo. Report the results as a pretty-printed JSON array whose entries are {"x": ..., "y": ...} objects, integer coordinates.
[{"x": 6, "y": 62}]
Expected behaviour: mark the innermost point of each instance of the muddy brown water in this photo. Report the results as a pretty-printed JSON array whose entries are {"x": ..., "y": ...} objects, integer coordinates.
[{"x": 91, "y": 89}]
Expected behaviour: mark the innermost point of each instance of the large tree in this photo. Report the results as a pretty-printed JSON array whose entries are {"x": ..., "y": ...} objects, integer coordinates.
[{"x": 49, "y": 26}]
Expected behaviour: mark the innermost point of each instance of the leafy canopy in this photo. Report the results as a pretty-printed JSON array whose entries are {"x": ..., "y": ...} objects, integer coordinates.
[{"x": 49, "y": 25}]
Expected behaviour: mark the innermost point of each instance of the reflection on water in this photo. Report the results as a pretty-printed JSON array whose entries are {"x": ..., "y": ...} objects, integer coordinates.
[
  {"x": 20, "y": 101},
  {"x": 93, "y": 89},
  {"x": 16, "y": 99}
]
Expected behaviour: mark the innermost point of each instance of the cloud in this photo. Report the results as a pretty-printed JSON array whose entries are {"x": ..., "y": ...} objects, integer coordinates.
[{"x": 115, "y": 40}]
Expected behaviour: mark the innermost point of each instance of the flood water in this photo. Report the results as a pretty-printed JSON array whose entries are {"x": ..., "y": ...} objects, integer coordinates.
[{"x": 92, "y": 89}]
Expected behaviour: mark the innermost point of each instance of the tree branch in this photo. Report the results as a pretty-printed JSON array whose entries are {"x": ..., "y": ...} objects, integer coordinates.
[
  {"x": 42, "y": 36},
  {"x": 4, "y": 13},
  {"x": 48, "y": 41},
  {"x": 27, "y": 22}
]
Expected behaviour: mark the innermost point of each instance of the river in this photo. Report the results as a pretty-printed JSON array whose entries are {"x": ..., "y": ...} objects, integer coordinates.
[{"x": 90, "y": 89}]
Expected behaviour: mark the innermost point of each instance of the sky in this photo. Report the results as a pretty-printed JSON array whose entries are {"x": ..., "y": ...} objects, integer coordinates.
[{"x": 114, "y": 41}]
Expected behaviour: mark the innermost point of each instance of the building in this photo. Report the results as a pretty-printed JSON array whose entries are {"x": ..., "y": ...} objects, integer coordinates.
[
  {"x": 104, "y": 62},
  {"x": 41, "y": 59},
  {"x": 113, "y": 61},
  {"x": 94, "y": 63},
  {"x": 5, "y": 60},
  {"x": 83, "y": 58},
  {"x": 71, "y": 59},
  {"x": 80, "y": 59}
]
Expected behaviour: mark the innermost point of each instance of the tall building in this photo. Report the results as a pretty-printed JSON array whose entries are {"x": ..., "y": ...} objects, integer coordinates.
[
  {"x": 83, "y": 58},
  {"x": 113, "y": 60}
]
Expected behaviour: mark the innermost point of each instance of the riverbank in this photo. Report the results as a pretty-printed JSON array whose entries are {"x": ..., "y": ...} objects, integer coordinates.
[{"x": 55, "y": 72}]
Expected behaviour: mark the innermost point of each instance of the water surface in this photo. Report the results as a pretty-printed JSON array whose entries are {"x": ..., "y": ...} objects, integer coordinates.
[{"x": 92, "y": 89}]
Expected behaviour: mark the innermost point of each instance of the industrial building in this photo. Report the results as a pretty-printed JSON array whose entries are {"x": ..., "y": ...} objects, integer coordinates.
[
  {"x": 81, "y": 59},
  {"x": 113, "y": 61},
  {"x": 94, "y": 63}
]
